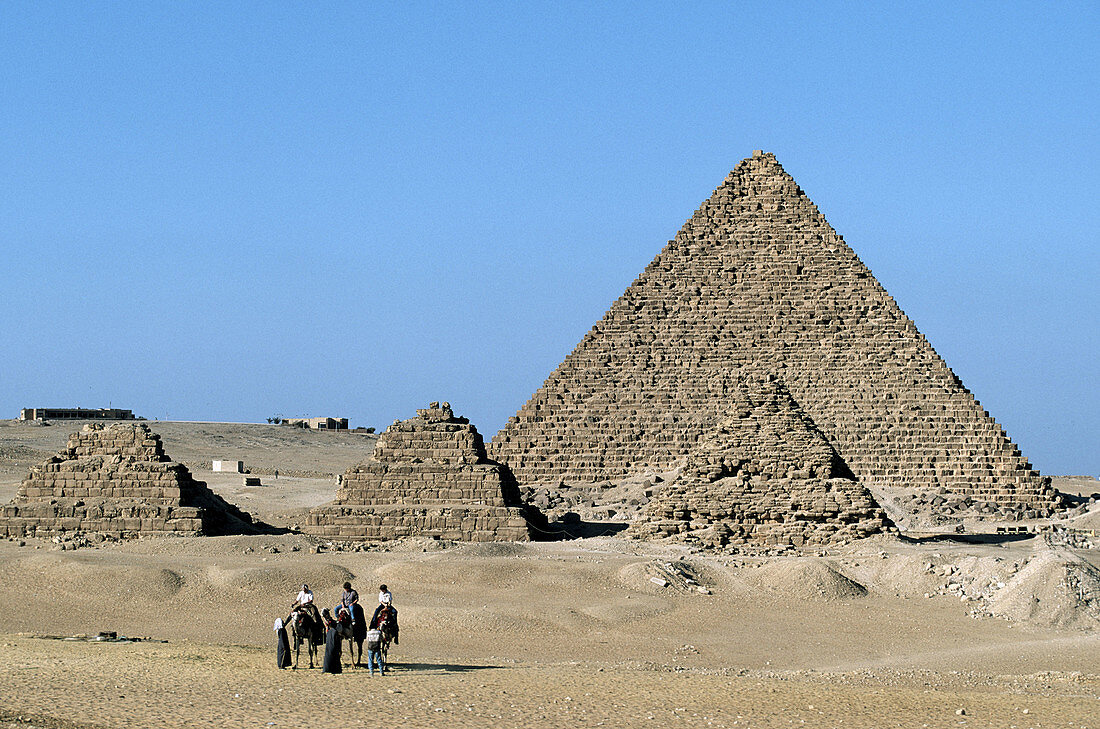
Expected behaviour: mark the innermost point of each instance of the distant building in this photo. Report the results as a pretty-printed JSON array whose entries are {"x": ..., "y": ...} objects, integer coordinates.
[
  {"x": 228, "y": 466},
  {"x": 318, "y": 423},
  {"x": 75, "y": 414}
]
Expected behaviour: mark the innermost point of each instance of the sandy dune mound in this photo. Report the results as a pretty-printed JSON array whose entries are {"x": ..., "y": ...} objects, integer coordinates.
[
  {"x": 805, "y": 579},
  {"x": 1054, "y": 590},
  {"x": 321, "y": 578},
  {"x": 495, "y": 549},
  {"x": 52, "y": 573},
  {"x": 488, "y": 573}
]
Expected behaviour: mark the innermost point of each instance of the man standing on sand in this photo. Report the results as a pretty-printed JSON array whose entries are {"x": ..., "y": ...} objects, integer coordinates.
[{"x": 374, "y": 652}]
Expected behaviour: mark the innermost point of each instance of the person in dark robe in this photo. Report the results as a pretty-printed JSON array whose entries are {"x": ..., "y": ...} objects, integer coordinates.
[
  {"x": 282, "y": 645},
  {"x": 358, "y": 629},
  {"x": 331, "y": 663}
]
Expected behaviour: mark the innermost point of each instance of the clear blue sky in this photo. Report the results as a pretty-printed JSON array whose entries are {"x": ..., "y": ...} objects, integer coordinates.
[{"x": 225, "y": 211}]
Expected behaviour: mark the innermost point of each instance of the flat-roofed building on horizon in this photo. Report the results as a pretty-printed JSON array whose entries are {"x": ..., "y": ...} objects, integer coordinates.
[
  {"x": 76, "y": 414},
  {"x": 318, "y": 423}
]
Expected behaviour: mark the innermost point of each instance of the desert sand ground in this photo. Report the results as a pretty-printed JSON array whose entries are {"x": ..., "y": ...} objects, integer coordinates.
[{"x": 574, "y": 633}]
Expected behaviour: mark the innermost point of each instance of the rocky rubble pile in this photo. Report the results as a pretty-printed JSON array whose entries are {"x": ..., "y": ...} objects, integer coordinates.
[
  {"x": 765, "y": 476},
  {"x": 941, "y": 506}
]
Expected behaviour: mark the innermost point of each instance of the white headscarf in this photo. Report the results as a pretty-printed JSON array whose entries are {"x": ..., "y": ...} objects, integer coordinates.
[{"x": 278, "y": 624}]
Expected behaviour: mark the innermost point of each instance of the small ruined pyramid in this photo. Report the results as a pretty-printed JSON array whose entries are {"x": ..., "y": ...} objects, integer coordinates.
[
  {"x": 757, "y": 281},
  {"x": 117, "y": 480},
  {"x": 429, "y": 476},
  {"x": 764, "y": 476}
]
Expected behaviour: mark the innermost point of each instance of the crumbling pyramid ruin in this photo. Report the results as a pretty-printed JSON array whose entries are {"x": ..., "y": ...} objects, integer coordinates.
[
  {"x": 116, "y": 480},
  {"x": 765, "y": 476},
  {"x": 757, "y": 281},
  {"x": 429, "y": 476}
]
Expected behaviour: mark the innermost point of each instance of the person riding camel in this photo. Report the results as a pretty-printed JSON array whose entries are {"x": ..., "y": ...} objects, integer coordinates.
[
  {"x": 304, "y": 601},
  {"x": 385, "y": 613},
  {"x": 349, "y": 598}
]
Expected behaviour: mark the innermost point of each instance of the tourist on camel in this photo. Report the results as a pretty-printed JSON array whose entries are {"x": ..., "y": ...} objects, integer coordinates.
[
  {"x": 349, "y": 598},
  {"x": 304, "y": 601},
  {"x": 385, "y": 614}
]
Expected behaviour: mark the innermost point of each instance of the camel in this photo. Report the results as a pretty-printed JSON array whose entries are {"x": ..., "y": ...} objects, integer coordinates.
[
  {"x": 305, "y": 627},
  {"x": 385, "y": 620},
  {"x": 353, "y": 630}
]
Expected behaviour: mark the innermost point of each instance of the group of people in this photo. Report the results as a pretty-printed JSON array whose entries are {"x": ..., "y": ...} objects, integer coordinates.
[{"x": 347, "y": 620}]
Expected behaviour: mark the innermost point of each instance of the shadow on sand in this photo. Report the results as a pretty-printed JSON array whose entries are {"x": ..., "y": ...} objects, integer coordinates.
[{"x": 437, "y": 667}]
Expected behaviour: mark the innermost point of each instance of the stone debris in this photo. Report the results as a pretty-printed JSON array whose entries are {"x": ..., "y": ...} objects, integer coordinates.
[
  {"x": 116, "y": 481},
  {"x": 1051, "y": 588},
  {"x": 758, "y": 281},
  {"x": 765, "y": 476},
  {"x": 429, "y": 476},
  {"x": 1062, "y": 536},
  {"x": 676, "y": 575}
]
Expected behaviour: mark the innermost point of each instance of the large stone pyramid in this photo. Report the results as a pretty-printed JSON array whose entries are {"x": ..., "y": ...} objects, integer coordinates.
[
  {"x": 117, "y": 480},
  {"x": 429, "y": 476},
  {"x": 764, "y": 476},
  {"x": 757, "y": 281}
]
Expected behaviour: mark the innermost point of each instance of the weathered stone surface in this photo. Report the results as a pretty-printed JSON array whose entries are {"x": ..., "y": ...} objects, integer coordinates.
[
  {"x": 757, "y": 281},
  {"x": 765, "y": 476},
  {"x": 428, "y": 476},
  {"x": 116, "y": 480}
]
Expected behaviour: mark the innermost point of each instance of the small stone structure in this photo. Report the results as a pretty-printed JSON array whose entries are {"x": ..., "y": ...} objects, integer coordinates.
[
  {"x": 116, "y": 480},
  {"x": 765, "y": 476},
  {"x": 758, "y": 281},
  {"x": 429, "y": 476}
]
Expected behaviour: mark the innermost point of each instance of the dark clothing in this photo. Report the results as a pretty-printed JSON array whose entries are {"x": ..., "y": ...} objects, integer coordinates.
[
  {"x": 282, "y": 649},
  {"x": 349, "y": 598},
  {"x": 332, "y": 652},
  {"x": 358, "y": 623}
]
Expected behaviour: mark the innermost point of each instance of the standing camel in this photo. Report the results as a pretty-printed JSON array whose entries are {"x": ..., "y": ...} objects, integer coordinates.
[
  {"x": 353, "y": 630},
  {"x": 305, "y": 627}
]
